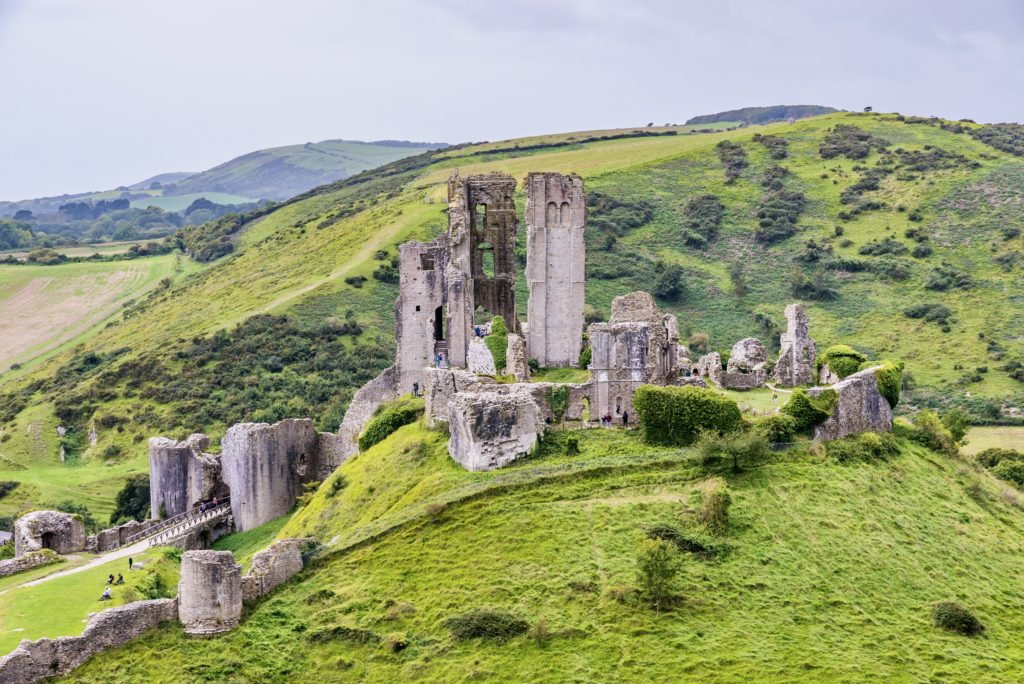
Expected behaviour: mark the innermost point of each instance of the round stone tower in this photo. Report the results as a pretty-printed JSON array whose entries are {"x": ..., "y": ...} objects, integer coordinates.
[{"x": 210, "y": 592}]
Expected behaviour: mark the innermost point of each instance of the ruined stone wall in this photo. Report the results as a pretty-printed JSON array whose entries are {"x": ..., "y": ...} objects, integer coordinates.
[
  {"x": 798, "y": 351},
  {"x": 34, "y": 661},
  {"x": 420, "y": 310},
  {"x": 61, "y": 532},
  {"x": 115, "y": 537},
  {"x": 265, "y": 467},
  {"x": 181, "y": 475},
  {"x": 556, "y": 214},
  {"x": 272, "y": 567},
  {"x": 366, "y": 400},
  {"x": 33, "y": 559},
  {"x": 860, "y": 407},
  {"x": 210, "y": 592},
  {"x": 490, "y": 430}
]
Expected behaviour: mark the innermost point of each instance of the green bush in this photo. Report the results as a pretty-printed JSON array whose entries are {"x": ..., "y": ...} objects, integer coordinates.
[
  {"x": 8, "y": 486},
  {"x": 930, "y": 432},
  {"x": 558, "y": 401},
  {"x": 486, "y": 624},
  {"x": 781, "y": 427},
  {"x": 955, "y": 618},
  {"x": 715, "y": 499},
  {"x": 585, "y": 357},
  {"x": 658, "y": 564},
  {"x": 571, "y": 446},
  {"x": 809, "y": 411},
  {"x": 388, "y": 418},
  {"x": 889, "y": 379},
  {"x": 132, "y": 501},
  {"x": 497, "y": 342},
  {"x": 993, "y": 456},
  {"x": 676, "y": 415},
  {"x": 867, "y": 446},
  {"x": 685, "y": 542},
  {"x": 841, "y": 359},
  {"x": 1011, "y": 471},
  {"x": 739, "y": 448}
]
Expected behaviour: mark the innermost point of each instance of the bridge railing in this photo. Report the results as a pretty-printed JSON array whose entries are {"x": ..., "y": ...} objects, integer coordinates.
[{"x": 188, "y": 518}]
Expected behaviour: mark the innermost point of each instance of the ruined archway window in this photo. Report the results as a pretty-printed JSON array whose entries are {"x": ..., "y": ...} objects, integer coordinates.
[
  {"x": 564, "y": 215},
  {"x": 487, "y": 258},
  {"x": 551, "y": 215},
  {"x": 47, "y": 540},
  {"x": 480, "y": 218}
]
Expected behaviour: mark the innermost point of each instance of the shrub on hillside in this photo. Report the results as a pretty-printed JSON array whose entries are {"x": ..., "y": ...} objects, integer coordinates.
[
  {"x": 777, "y": 214},
  {"x": 886, "y": 246},
  {"x": 1011, "y": 471},
  {"x": 676, "y": 415},
  {"x": 701, "y": 219},
  {"x": 132, "y": 502},
  {"x": 497, "y": 342},
  {"x": 889, "y": 379},
  {"x": 867, "y": 446},
  {"x": 841, "y": 359},
  {"x": 715, "y": 499},
  {"x": 953, "y": 617},
  {"x": 946, "y": 277},
  {"x": 993, "y": 456},
  {"x": 8, "y": 486},
  {"x": 737, "y": 448},
  {"x": 781, "y": 427},
  {"x": 778, "y": 147},
  {"x": 496, "y": 625},
  {"x": 669, "y": 282},
  {"x": 851, "y": 142},
  {"x": 388, "y": 418},
  {"x": 818, "y": 286},
  {"x": 685, "y": 542},
  {"x": 930, "y": 432},
  {"x": 808, "y": 411},
  {"x": 933, "y": 313},
  {"x": 658, "y": 564},
  {"x": 733, "y": 158}
]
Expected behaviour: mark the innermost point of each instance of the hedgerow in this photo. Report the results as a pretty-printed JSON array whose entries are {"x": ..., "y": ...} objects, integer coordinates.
[
  {"x": 388, "y": 418},
  {"x": 993, "y": 456},
  {"x": 675, "y": 415},
  {"x": 1011, "y": 471},
  {"x": 809, "y": 411}
]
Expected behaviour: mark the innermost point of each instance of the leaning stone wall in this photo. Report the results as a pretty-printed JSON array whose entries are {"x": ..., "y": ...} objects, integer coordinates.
[
  {"x": 383, "y": 388},
  {"x": 419, "y": 310},
  {"x": 34, "y": 661},
  {"x": 210, "y": 592},
  {"x": 265, "y": 467},
  {"x": 798, "y": 351},
  {"x": 859, "y": 408},
  {"x": 556, "y": 216}
]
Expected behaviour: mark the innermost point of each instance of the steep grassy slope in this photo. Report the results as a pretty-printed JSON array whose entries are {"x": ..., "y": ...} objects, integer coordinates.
[
  {"x": 314, "y": 260},
  {"x": 828, "y": 573}
]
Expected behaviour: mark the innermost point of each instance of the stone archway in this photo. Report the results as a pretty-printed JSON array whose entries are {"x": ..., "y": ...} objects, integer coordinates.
[{"x": 48, "y": 540}]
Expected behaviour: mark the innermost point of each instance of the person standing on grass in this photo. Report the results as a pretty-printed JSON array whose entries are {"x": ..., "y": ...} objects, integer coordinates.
[
  {"x": 625, "y": 419},
  {"x": 130, "y": 562}
]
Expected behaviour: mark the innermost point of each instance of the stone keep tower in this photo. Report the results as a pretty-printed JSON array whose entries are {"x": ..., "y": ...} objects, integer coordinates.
[
  {"x": 481, "y": 271},
  {"x": 556, "y": 215}
]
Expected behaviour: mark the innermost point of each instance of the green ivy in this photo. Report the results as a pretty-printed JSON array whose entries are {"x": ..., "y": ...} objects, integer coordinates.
[
  {"x": 889, "y": 378},
  {"x": 388, "y": 418},
  {"x": 558, "y": 401},
  {"x": 585, "y": 357},
  {"x": 497, "y": 342},
  {"x": 810, "y": 411},
  {"x": 842, "y": 360}
]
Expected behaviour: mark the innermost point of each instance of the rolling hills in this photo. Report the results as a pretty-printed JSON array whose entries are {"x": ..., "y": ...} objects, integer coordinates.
[{"x": 866, "y": 218}]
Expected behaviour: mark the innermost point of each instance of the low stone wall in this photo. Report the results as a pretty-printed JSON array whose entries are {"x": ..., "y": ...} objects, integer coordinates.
[
  {"x": 34, "y": 661},
  {"x": 35, "y": 559},
  {"x": 115, "y": 537},
  {"x": 272, "y": 567}
]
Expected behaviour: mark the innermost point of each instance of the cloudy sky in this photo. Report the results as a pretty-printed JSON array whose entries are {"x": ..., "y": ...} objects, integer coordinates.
[{"x": 99, "y": 93}]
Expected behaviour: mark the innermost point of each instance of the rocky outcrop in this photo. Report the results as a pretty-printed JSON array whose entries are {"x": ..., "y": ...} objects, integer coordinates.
[
  {"x": 61, "y": 532},
  {"x": 490, "y": 430},
  {"x": 860, "y": 407},
  {"x": 265, "y": 467},
  {"x": 210, "y": 592},
  {"x": 273, "y": 566},
  {"x": 479, "y": 358},
  {"x": 34, "y": 661},
  {"x": 516, "y": 363},
  {"x": 798, "y": 351},
  {"x": 33, "y": 559}
]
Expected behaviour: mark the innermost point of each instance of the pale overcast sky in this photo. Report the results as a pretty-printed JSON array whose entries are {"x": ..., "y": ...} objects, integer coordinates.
[{"x": 99, "y": 93}]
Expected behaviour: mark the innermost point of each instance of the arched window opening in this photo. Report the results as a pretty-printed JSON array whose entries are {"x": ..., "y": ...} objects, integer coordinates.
[
  {"x": 618, "y": 406},
  {"x": 564, "y": 218},
  {"x": 551, "y": 215}
]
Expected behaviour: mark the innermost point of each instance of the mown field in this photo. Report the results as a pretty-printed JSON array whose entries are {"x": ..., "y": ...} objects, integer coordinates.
[
  {"x": 182, "y": 202},
  {"x": 827, "y": 572},
  {"x": 323, "y": 261}
]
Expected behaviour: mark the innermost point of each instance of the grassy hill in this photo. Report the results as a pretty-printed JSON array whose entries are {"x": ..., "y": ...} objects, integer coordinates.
[
  {"x": 827, "y": 572},
  {"x": 897, "y": 213}
]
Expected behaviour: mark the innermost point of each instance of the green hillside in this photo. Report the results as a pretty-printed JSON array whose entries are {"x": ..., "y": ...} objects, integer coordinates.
[
  {"x": 280, "y": 172},
  {"x": 826, "y": 572},
  {"x": 910, "y": 249}
]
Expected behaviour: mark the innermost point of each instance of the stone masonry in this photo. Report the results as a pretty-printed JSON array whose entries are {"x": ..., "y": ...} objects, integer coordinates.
[
  {"x": 62, "y": 532},
  {"x": 556, "y": 216},
  {"x": 210, "y": 592},
  {"x": 181, "y": 474},
  {"x": 798, "y": 351},
  {"x": 490, "y": 430},
  {"x": 860, "y": 407},
  {"x": 265, "y": 467}
]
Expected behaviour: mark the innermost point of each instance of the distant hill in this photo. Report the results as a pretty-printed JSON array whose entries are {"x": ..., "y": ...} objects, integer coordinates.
[
  {"x": 275, "y": 173},
  {"x": 281, "y": 172},
  {"x": 762, "y": 115}
]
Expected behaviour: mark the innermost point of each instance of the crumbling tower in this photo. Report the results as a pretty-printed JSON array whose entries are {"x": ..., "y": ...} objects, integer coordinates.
[
  {"x": 556, "y": 215},
  {"x": 481, "y": 272}
]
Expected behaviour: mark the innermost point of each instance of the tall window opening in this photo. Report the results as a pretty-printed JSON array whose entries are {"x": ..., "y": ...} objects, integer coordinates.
[
  {"x": 439, "y": 324},
  {"x": 487, "y": 258}
]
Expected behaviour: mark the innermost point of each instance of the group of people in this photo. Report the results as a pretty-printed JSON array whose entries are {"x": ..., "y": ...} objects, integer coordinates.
[
  {"x": 440, "y": 361},
  {"x": 111, "y": 581},
  {"x": 209, "y": 505},
  {"x": 607, "y": 420}
]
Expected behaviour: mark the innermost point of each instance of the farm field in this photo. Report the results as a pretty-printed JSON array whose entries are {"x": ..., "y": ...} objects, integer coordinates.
[
  {"x": 45, "y": 307},
  {"x": 181, "y": 202},
  {"x": 988, "y": 436},
  {"x": 103, "y": 248}
]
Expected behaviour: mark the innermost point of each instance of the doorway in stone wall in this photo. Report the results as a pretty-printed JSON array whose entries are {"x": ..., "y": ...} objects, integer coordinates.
[{"x": 48, "y": 540}]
